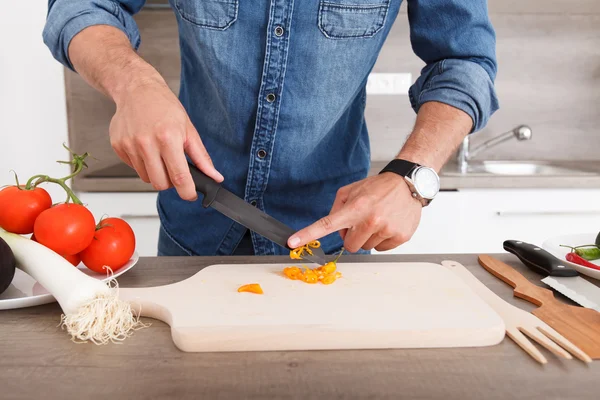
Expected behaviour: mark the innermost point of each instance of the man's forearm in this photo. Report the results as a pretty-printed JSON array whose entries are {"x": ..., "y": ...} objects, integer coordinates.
[
  {"x": 438, "y": 132},
  {"x": 103, "y": 56}
]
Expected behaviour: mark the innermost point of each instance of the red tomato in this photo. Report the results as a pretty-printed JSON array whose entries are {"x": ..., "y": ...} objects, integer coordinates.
[
  {"x": 113, "y": 246},
  {"x": 20, "y": 207},
  {"x": 73, "y": 259},
  {"x": 66, "y": 228}
]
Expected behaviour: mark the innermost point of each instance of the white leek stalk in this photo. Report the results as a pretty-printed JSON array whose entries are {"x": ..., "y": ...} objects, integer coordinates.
[{"x": 92, "y": 308}]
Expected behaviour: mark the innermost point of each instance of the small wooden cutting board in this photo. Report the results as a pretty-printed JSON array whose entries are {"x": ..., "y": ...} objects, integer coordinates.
[
  {"x": 374, "y": 305},
  {"x": 580, "y": 325}
]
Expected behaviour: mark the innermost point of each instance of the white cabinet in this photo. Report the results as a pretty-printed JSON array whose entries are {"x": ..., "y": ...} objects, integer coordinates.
[
  {"x": 466, "y": 221},
  {"x": 138, "y": 209},
  {"x": 478, "y": 221}
]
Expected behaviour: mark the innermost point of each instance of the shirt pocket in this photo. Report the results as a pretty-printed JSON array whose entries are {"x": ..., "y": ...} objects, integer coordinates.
[
  {"x": 352, "y": 20},
  {"x": 211, "y": 14}
]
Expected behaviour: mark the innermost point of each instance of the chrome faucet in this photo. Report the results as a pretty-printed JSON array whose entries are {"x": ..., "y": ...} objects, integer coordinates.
[{"x": 465, "y": 153}]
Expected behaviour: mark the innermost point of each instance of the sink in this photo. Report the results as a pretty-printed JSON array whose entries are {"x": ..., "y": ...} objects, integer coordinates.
[{"x": 516, "y": 168}]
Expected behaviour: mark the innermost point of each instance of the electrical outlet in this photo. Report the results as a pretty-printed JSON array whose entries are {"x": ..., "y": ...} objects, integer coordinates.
[{"x": 389, "y": 83}]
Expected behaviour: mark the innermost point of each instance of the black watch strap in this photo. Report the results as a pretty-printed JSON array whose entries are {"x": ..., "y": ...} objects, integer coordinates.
[{"x": 400, "y": 167}]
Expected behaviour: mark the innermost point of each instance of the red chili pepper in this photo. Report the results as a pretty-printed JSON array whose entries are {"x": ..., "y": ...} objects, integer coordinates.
[{"x": 574, "y": 258}]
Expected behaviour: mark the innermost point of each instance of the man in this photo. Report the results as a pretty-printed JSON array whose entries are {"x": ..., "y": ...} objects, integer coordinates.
[{"x": 272, "y": 103}]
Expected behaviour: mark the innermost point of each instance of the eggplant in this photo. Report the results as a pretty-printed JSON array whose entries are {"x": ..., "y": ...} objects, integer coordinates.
[
  {"x": 7, "y": 266},
  {"x": 598, "y": 240}
]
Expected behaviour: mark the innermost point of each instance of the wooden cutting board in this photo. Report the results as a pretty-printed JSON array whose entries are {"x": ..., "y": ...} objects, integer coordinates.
[
  {"x": 374, "y": 305},
  {"x": 578, "y": 324}
]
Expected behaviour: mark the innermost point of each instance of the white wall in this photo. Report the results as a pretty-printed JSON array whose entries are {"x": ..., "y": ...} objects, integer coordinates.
[{"x": 33, "y": 122}]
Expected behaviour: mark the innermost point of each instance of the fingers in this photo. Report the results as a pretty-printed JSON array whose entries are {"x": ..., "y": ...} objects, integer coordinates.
[
  {"x": 199, "y": 156},
  {"x": 356, "y": 237},
  {"x": 154, "y": 166},
  {"x": 329, "y": 224},
  {"x": 160, "y": 159},
  {"x": 343, "y": 233},
  {"x": 374, "y": 240},
  {"x": 123, "y": 156},
  {"x": 390, "y": 244},
  {"x": 139, "y": 166},
  {"x": 178, "y": 170},
  {"x": 323, "y": 227},
  {"x": 340, "y": 200},
  {"x": 372, "y": 213}
]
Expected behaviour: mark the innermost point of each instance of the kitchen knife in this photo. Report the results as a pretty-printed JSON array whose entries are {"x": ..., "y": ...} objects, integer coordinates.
[
  {"x": 240, "y": 211},
  {"x": 560, "y": 277},
  {"x": 580, "y": 325}
]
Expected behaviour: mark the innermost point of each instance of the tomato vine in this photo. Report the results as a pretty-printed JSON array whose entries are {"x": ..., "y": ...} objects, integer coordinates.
[{"x": 78, "y": 163}]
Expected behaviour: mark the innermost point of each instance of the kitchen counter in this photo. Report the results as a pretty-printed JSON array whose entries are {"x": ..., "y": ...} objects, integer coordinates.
[
  {"x": 588, "y": 176},
  {"x": 38, "y": 359},
  {"x": 121, "y": 178}
]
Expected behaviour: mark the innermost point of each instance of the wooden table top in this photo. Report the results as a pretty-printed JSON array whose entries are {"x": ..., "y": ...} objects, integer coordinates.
[{"x": 37, "y": 359}]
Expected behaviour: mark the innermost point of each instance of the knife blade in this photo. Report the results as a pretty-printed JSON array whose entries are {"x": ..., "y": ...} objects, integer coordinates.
[
  {"x": 246, "y": 214},
  {"x": 560, "y": 276}
]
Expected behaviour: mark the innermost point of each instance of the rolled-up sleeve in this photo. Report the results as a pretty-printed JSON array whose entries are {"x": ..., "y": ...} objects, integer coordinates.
[
  {"x": 66, "y": 18},
  {"x": 457, "y": 42}
]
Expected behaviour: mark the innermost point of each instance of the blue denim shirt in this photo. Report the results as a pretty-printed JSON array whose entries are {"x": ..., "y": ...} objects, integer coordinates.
[{"x": 276, "y": 89}]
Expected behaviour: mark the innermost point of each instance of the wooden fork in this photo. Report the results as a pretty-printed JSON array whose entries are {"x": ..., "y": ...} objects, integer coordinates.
[{"x": 519, "y": 322}]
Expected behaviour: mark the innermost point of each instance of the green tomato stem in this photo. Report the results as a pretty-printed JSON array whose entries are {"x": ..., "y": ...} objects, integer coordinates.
[
  {"x": 16, "y": 179},
  {"x": 78, "y": 169},
  {"x": 78, "y": 162},
  {"x": 60, "y": 182}
]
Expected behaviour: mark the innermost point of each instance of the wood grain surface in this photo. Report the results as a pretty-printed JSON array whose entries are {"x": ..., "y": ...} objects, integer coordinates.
[
  {"x": 520, "y": 324},
  {"x": 386, "y": 306},
  {"x": 578, "y": 324},
  {"x": 38, "y": 359}
]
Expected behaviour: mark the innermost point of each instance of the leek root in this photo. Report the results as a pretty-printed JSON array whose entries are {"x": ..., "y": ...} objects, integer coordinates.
[{"x": 92, "y": 308}]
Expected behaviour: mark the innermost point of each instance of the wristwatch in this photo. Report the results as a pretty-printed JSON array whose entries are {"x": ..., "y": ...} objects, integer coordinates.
[{"x": 424, "y": 182}]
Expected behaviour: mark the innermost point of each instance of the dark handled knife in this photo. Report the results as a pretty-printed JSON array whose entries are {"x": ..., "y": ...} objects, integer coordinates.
[
  {"x": 240, "y": 211},
  {"x": 560, "y": 276}
]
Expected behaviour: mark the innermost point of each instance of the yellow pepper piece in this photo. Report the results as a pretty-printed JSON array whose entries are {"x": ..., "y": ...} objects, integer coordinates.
[
  {"x": 314, "y": 244},
  {"x": 251, "y": 288},
  {"x": 327, "y": 273},
  {"x": 296, "y": 253},
  {"x": 329, "y": 268},
  {"x": 310, "y": 277}
]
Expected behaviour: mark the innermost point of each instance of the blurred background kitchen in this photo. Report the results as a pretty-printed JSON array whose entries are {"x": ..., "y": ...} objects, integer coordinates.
[{"x": 534, "y": 171}]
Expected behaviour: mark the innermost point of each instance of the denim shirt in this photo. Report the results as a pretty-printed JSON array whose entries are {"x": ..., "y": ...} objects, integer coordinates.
[{"x": 276, "y": 89}]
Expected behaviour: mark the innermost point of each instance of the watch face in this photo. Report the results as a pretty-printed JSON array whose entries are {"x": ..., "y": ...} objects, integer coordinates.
[{"x": 426, "y": 182}]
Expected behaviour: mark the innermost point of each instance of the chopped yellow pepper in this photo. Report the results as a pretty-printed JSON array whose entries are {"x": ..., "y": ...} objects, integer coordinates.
[{"x": 325, "y": 274}]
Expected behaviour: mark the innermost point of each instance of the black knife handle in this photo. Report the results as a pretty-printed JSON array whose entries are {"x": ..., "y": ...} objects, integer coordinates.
[
  {"x": 205, "y": 185},
  {"x": 538, "y": 259}
]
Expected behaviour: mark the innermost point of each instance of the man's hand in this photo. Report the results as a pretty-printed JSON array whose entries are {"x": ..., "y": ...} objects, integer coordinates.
[
  {"x": 151, "y": 130},
  {"x": 378, "y": 213}
]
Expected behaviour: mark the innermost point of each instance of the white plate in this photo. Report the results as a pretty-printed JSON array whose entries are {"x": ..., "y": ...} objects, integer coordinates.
[
  {"x": 24, "y": 291},
  {"x": 553, "y": 247}
]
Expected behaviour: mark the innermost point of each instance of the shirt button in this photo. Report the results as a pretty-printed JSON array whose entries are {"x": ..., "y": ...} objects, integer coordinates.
[
  {"x": 278, "y": 31},
  {"x": 261, "y": 153},
  {"x": 271, "y": 97},
  {"x": 253, "y": 202}
]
